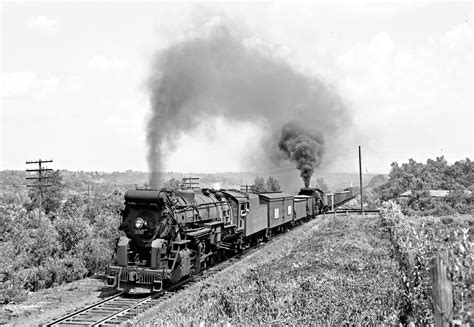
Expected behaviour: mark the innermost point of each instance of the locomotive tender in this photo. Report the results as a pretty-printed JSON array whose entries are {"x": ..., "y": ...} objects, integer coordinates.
[{"x": 173, "y": 234}]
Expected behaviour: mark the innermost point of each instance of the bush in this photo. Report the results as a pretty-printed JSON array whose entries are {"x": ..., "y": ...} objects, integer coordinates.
[
  {"x": 72, "y": 230},
  {"x": 77, "y": 241},
  {"x": 65, "y": 270},
  {"x": 417, "y": 240},
  {"x": 434, "y": 175}
]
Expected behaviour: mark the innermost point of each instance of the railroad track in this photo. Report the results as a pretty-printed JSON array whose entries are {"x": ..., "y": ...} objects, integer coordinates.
[
  {"x": 356, "y": 211},
  {"x": 121, "y": 307}
]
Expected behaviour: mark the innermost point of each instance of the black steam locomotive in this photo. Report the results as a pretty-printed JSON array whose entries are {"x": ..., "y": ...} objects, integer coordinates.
[{"x": 173, "y": 234}]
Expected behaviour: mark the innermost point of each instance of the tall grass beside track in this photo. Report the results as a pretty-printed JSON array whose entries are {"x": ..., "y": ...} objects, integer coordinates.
[{"x": 331, "y": 271}]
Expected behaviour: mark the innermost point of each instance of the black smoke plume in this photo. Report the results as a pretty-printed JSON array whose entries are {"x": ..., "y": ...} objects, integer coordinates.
[
  {"x": 303, "y": 148},
  {"x": 215, "y": 72}
]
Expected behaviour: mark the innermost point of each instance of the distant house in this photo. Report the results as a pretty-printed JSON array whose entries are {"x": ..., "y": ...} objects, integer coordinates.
[{"x": 432, "y": 193}]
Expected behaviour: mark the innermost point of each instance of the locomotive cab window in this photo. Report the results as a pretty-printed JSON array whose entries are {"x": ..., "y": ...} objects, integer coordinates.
[
  {"x": 289, "y": 210},
  {"x": 243, "y": 210},
  {"x": 277, "y": 213}
]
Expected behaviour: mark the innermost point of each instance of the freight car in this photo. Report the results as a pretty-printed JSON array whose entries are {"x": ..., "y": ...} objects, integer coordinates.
[{"x": 173, "y": 234}]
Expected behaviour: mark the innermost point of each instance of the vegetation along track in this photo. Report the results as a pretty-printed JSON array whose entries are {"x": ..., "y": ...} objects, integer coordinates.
[{"x": 121, "y": 307}]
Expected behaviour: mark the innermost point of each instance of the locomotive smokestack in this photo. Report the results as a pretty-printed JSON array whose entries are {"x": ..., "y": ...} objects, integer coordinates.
[{"x": 214, "y": 72}]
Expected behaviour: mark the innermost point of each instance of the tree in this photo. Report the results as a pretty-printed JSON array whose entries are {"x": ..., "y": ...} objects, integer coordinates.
[
  {"x": 259, "y": 185},
  {"x": 436, "y": 174},
  {"x": 272, "y": 185}
]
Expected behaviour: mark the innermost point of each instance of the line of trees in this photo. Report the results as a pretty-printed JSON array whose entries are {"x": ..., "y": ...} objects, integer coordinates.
[
  {"x": 260, "y": 185},
  {"x": 420, "y": 178}
]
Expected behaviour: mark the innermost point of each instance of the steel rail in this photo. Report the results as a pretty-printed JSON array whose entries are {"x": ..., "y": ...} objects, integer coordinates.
[
  {"x": 122, "y": 311},
  {"x": 353, "y": 211},
  {"x": 77, "y": 312}
]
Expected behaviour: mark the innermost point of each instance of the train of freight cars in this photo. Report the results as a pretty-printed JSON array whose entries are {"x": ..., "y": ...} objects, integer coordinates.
[{"x": 173, "y": 234}]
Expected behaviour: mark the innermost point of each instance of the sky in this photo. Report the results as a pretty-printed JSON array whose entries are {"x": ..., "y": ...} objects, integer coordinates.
[{"x": 73, "y": 86}]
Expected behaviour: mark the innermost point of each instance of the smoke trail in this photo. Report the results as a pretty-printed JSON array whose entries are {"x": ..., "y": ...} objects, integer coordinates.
[
  {"x": 302, "y": 147},
  {"x": 214, "y": 72}
]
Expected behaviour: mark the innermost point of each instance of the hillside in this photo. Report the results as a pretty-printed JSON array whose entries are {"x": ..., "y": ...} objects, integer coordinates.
[{"x": 81, "y": 181}]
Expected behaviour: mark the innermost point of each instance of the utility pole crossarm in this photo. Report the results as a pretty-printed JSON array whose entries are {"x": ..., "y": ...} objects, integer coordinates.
[
  {"x": 38, "y": 184},
  {"x": 39, "y": 170},
  {"x": 38, "y": 161}
]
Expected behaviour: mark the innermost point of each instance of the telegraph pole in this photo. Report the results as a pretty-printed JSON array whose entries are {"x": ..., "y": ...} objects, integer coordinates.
[
  {"x": 39, "y": 180},
  {"x": 360, "y": 176}
]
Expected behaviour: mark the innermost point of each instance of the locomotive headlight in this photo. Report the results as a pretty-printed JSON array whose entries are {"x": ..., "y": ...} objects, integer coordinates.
[{"x": 139, "y": 223}]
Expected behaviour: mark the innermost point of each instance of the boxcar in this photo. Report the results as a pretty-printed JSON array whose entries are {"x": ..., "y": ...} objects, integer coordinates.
[
  {"x": 280, "y": 208},
  {"x": 303, "y": 206},
  {"x": 338, "y": 198}
]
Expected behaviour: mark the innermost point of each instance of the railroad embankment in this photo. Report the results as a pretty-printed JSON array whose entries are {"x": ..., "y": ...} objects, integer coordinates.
[{"x": 331, "y": 271}]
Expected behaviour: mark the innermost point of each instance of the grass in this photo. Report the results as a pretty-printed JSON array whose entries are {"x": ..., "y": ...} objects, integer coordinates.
[{"x": 332, "y": 271}]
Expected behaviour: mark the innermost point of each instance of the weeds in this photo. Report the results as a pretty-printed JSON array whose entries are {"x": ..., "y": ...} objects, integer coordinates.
[
  {"x": 417, "y": 240},
  {"x": 341, "y": 273}
]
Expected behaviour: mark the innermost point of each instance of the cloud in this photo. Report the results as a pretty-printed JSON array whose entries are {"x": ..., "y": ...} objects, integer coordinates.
[
  {"x": 421, "y": 90},
  {"x": 27, "y": 83},
  {"x": 43, "y": 24},
  {"x": 106, "y": 64},
  {"x": 211, "y": 139}
]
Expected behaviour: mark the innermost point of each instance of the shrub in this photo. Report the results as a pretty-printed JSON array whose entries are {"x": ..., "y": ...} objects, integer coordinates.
[
  {"x": 77, "y": 241},
  {"x": 66, "y": 269},
  {"x": 417, "y": 240},
  {"x": 72, "y": 230}
]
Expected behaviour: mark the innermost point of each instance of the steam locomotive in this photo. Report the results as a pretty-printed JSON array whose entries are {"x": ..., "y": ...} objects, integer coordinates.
[{"x": 173, "y": 234}]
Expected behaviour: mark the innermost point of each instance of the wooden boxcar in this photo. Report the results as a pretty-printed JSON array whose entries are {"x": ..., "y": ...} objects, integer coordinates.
[
  {"x": 280, "y": 208},
  {"x": 304, "y": 206}
]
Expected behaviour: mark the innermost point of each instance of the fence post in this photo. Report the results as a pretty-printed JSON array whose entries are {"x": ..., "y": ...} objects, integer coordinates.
[{"x": 442, "y": 290}]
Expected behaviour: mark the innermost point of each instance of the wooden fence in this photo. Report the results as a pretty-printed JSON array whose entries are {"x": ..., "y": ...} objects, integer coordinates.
[{"x": 442, "y": 290}]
